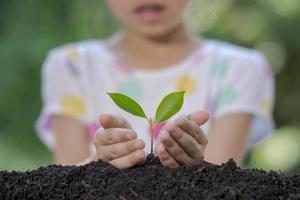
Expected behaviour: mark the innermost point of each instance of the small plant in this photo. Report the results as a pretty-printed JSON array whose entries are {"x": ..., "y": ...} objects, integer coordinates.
[{"x": 168, "y": 107}]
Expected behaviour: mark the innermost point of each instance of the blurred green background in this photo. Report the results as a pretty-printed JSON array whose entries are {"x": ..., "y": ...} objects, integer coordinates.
[{"x": 30, "y": 28}]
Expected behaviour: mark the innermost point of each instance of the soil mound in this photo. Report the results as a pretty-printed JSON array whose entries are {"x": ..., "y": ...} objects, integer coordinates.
[{"x": 99, "y": 180}]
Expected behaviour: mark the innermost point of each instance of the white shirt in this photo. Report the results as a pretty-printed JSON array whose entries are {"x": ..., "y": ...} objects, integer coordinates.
[{"x": 218, "y": 77}]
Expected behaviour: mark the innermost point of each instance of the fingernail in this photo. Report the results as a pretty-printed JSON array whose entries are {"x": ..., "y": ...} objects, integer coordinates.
[
  {"x": 137, "y": 144},
  {"x": 104, "y": 119},
  {"x": 164, "y": 136},
  {"x": 181, "y": 122},
  {"x": 130, "y": 136}
]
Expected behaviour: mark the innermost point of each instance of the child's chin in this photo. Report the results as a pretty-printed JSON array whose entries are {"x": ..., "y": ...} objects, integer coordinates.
[{"x": 156, "y": 32}]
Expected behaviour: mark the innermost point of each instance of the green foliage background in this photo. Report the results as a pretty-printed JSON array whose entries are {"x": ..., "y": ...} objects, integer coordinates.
[{"x": 30, "y": 28}]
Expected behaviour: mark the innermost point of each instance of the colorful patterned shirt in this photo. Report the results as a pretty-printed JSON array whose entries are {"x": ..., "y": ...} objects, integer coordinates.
[{"x": 218, "y": 77}]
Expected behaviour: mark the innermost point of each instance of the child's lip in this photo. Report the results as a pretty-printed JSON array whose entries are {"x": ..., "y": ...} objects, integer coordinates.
[
  {"x": 149, "y": 6},
  {"x": 149, "y": 12}
]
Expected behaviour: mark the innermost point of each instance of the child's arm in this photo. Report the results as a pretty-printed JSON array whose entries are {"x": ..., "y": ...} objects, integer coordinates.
[
  {"x": 70, "y": 141},
  {"x": 116, "y": 143},
  {"x": 228, "y": 138}
]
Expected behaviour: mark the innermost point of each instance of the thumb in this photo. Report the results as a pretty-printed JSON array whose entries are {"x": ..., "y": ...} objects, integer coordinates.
[
  {"x": 113, "y": 121},
  {"x": 199, "y": 117}
]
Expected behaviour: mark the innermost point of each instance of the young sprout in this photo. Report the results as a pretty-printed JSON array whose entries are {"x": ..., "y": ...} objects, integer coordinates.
[{"x": 168, "y": 107}]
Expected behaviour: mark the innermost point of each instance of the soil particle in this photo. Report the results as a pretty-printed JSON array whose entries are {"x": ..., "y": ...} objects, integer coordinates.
[{"x": 99, "y": 180}]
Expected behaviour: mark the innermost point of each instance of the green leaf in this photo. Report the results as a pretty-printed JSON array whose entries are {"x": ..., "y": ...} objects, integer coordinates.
[
  {"x": 127, "y": 104},
  {"x": 169, "y": 106}
]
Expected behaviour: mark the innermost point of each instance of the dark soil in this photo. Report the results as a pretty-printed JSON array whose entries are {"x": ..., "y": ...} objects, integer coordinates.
[{"x": 99, "y": 180}]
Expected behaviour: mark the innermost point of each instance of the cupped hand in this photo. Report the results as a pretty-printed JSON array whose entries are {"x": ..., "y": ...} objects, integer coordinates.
[
  {"x": 117, "y": 144},
  {"x": 182, "y": 142}
]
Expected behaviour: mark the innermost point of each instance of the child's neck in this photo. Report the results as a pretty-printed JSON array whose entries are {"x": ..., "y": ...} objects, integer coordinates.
[{"x": 147, "y": 53}]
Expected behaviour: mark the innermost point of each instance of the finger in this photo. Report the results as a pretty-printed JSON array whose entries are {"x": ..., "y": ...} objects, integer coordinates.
[
  {"x": 132, "y": 159},
  {"x": 189, "y": 145},
  {"x": 113, "y": 135},
  {"x": 192, "y": 129},
  {"x": 114, "y": 151},
  {"x": 174, "y": 149},
  {"x": 113, "y": 121},
  {"x": 199, "y": 117},
  {"x": 156, "y": 148},
  {"x": 165, "y": 158}
]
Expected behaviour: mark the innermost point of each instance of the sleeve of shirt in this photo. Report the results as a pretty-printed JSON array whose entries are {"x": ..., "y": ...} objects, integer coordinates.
[
  {"x": 62, "y": 92},
  {"x": 248, "y": 87}
]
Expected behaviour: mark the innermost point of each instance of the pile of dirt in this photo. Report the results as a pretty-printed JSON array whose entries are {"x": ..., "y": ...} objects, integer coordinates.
[{"x": 99, "y": 180}]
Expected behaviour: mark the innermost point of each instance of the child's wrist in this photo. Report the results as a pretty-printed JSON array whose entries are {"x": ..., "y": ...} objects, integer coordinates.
[{"x": 90, "y": 158}]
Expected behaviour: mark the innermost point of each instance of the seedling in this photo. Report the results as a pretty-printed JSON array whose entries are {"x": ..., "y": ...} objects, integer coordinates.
[{"x": 168, "y": 107}]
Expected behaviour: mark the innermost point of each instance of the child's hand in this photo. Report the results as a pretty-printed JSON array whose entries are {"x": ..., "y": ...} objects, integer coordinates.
[
  {"x": 117, "y": 144},
  {"x": 183, "y": 142}
]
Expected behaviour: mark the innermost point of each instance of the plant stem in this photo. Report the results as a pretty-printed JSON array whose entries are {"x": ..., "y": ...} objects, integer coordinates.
[{"x": 151, "y": 130}]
